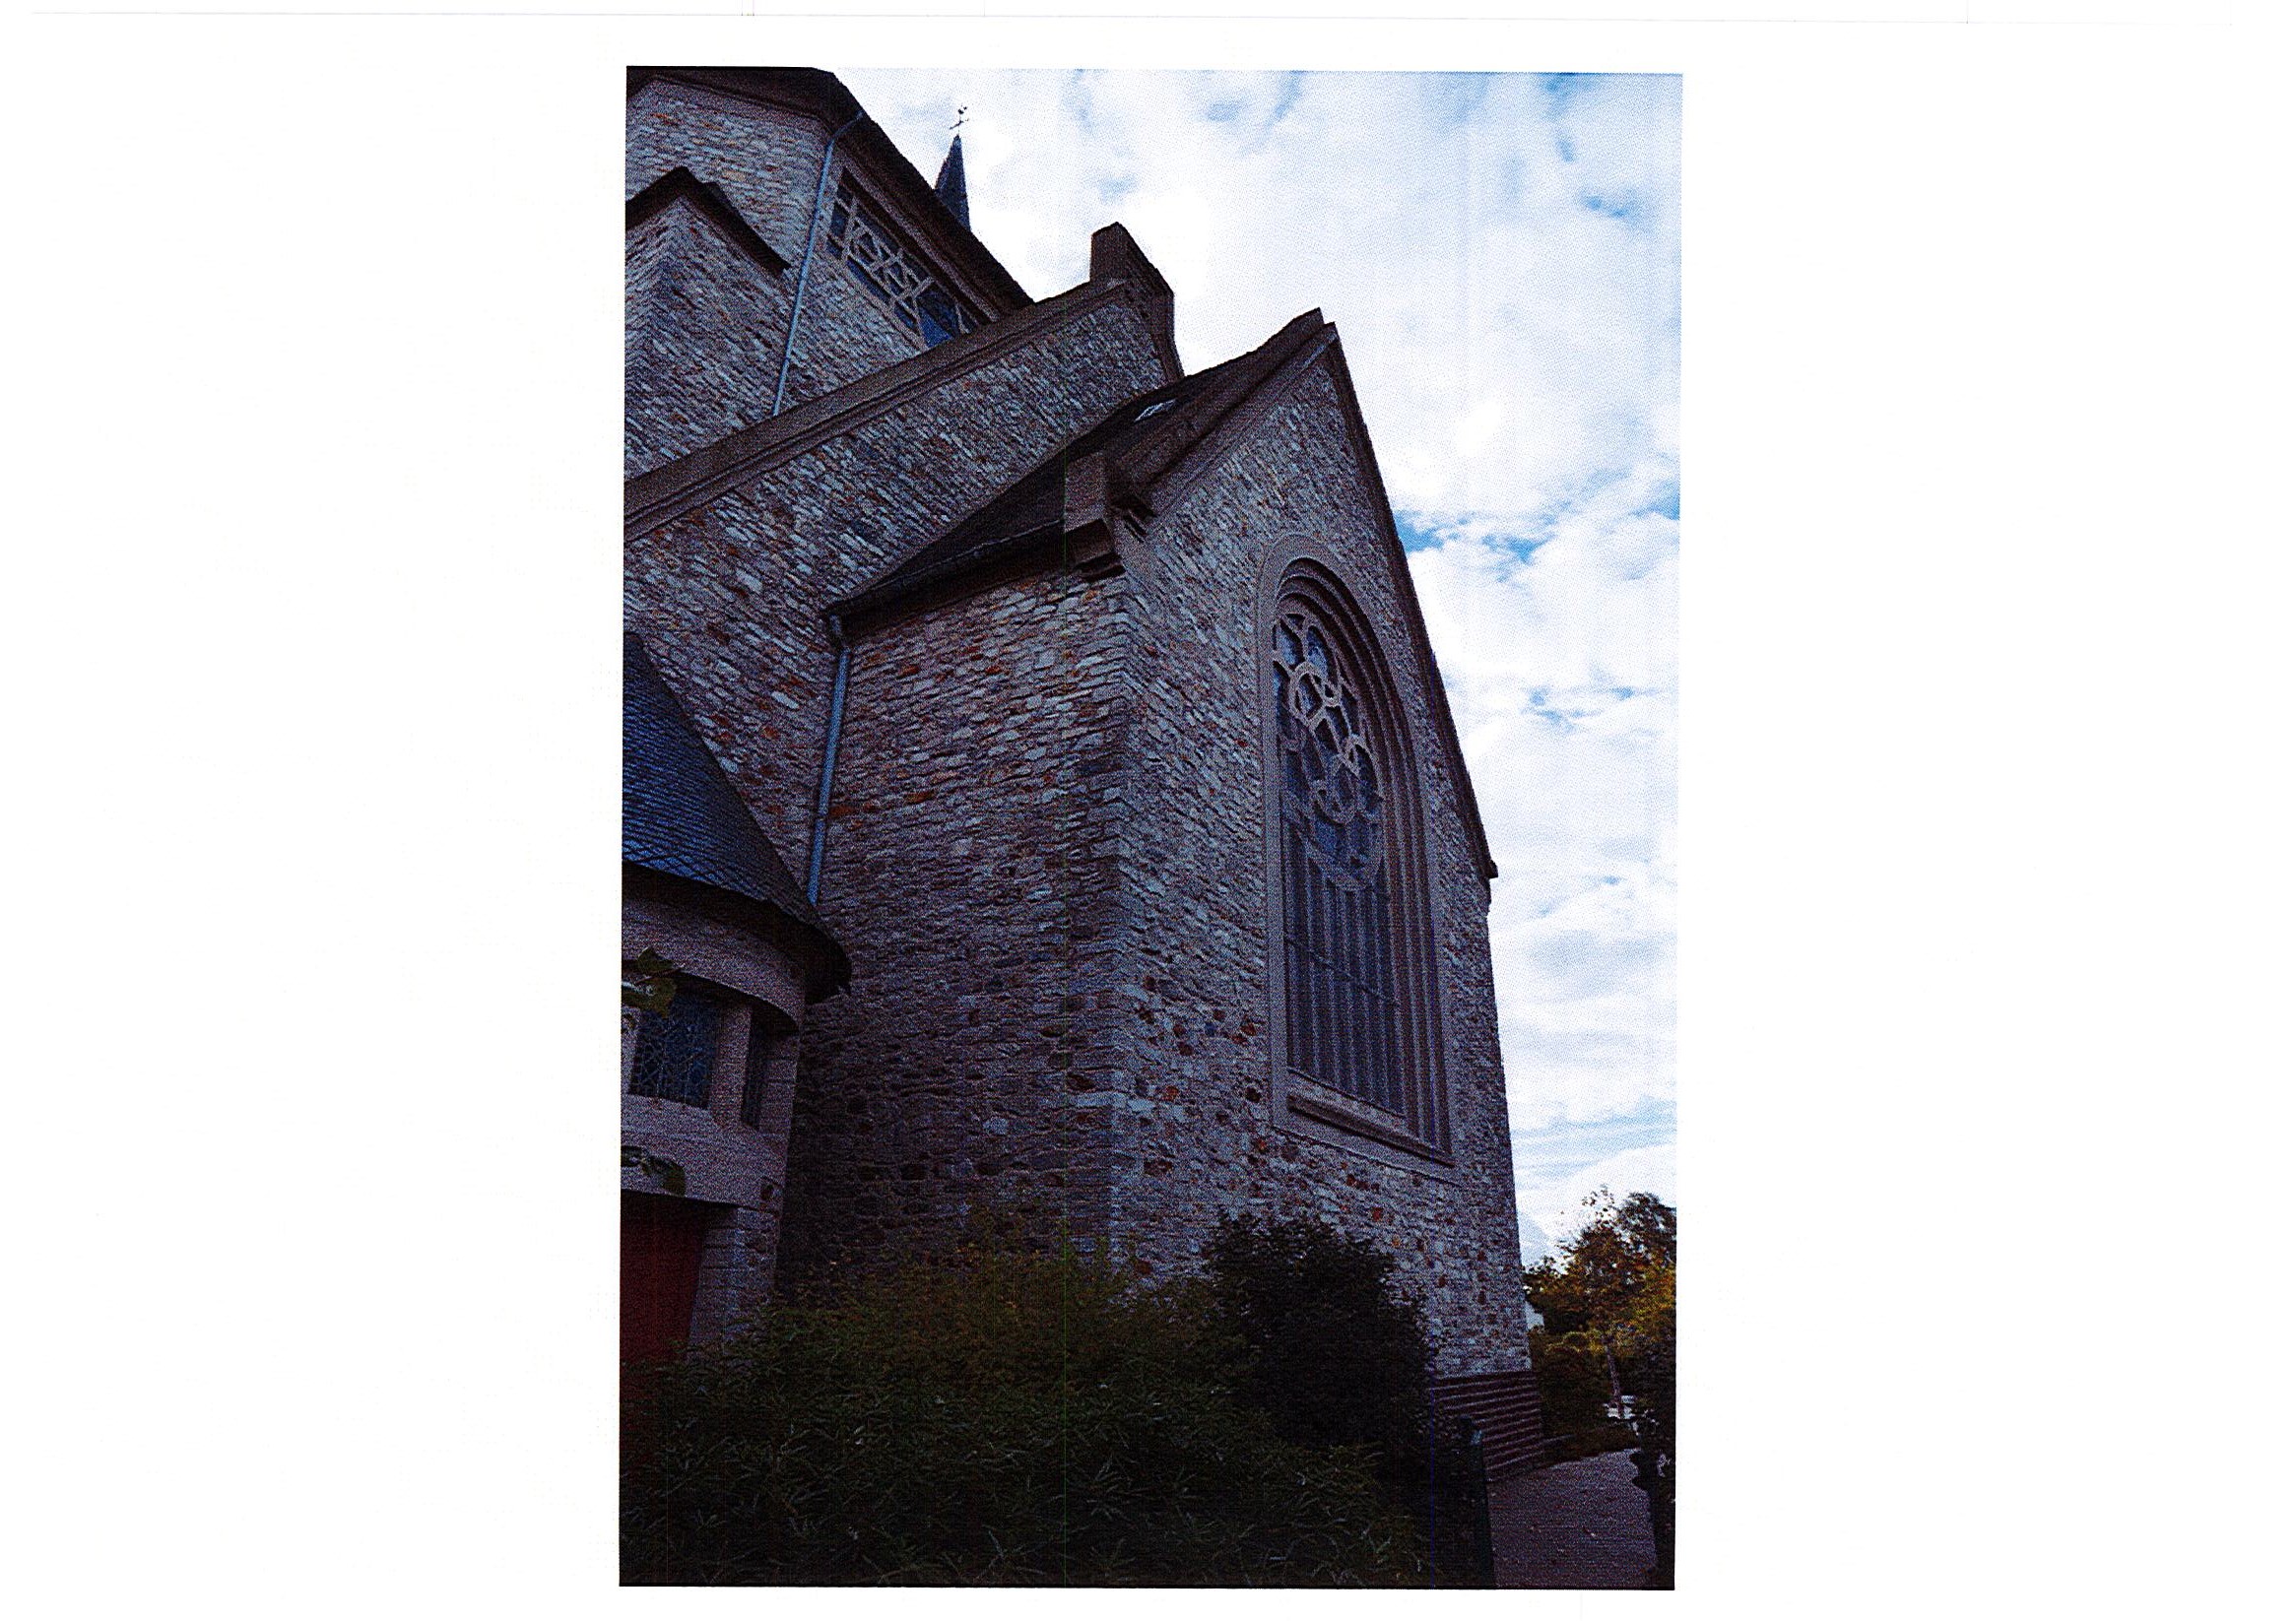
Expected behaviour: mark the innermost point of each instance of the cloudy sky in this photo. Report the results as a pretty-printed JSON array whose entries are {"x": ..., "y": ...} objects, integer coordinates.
[{"x": 1501, "y": 254}]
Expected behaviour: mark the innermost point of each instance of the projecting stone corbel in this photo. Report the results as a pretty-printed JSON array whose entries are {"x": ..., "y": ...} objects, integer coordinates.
[{"x": 1093, "y": 493}]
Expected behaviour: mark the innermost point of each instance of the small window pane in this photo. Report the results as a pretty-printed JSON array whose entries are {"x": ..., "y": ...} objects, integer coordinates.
[
  {"x": 906, "y": 290},
  {"x": 677, "y": 1048}
]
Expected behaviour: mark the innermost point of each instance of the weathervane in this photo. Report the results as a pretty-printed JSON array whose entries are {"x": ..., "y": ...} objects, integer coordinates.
[{"x": 960, "y": 124}]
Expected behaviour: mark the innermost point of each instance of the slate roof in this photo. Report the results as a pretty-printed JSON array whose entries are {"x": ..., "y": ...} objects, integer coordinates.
[
  {"x": 1143, "y": 437},
  {"x": 683, "y": 818}
]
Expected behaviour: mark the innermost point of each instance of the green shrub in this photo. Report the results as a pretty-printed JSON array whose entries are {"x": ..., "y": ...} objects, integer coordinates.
[
  {"x": 1336, "y": 1355},
  {"x": 1574, "y": 1381},
  {"x": 997, "y": 1418},
  {"x": 1333, "y": 1353}
]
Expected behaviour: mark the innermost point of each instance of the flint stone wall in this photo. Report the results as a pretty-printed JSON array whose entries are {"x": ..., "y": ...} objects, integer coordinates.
[
  {"x": 1048, "y": 858},
  {"x": 972, "y": 876}
]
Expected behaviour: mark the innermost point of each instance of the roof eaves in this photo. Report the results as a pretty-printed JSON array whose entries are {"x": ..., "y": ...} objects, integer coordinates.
[{"x": 951, "y": 576}]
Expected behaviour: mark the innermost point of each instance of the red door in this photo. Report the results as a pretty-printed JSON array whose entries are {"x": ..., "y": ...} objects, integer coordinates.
[{"x": 660, "y": 1262}]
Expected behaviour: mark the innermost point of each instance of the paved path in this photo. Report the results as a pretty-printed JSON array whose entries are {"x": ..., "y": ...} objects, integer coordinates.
[{"x": 1583, "y": 1525}]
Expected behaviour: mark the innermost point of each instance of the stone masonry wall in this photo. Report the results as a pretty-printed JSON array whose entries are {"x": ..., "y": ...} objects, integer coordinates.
[
  {"x": 731, "y": 597},
  {"x": 701, "y": 338},
  {"x": 971, "y": 874},
  {"x": 769, "y": 164},
  {"x": 1193, "y": 1135},
  {"x": 729, "y": 600}
]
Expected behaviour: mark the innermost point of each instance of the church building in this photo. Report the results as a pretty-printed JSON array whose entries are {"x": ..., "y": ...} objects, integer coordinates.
[{"x": 1036, "y": 773}]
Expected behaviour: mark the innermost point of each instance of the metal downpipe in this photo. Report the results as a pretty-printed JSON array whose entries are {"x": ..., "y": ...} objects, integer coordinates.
[
  {"x": 805, "y": 264},
  {"x": 812, "y": 866}
]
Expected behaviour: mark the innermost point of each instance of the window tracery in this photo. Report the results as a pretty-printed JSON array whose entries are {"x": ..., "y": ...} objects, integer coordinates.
[
  {"x": 676, "y": 1047},
  {"x": 1351, "y": 895},
  {"x": 915, "y": 299}
]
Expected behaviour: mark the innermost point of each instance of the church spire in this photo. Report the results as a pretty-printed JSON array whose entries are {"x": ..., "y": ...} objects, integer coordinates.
[{"x": 950, "y": 188}]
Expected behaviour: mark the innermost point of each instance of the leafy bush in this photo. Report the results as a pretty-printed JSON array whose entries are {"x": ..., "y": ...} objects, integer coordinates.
[
  {"x": 1334, "y": 1354},
  {"x": 1574, "y": 1381},
  {"x": 1004, "y": 1418}
]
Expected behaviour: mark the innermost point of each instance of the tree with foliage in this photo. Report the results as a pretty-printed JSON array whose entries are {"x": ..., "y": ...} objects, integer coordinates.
[{"x": 1610, "y": 1294}]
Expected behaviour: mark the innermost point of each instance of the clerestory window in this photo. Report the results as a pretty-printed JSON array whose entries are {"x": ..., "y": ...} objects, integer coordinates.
[
  {"x": 1356, "y": 971},
  {"x": 876, "y": 262}
]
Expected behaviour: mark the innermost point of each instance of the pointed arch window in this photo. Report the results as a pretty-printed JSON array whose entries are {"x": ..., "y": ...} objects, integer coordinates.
[{"x": 1355, "y": 968}]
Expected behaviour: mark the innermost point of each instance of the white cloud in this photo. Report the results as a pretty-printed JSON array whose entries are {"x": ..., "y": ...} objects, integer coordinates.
[
  {"x": 1482, "y": 240},
  {"x": 1560, "y": 663}
]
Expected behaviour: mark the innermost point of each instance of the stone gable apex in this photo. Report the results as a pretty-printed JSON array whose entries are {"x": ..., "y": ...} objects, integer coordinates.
[
  {"x": 708, "y": 202},
  {"x": 1098, "y": 495}
]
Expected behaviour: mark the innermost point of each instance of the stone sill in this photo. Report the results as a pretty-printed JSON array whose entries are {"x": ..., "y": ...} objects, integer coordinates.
[{"x": 1332, "y": 1109}]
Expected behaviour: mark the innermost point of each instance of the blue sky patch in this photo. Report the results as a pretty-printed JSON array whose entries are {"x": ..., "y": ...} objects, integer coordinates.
[{"x": 1625, "y": 207}]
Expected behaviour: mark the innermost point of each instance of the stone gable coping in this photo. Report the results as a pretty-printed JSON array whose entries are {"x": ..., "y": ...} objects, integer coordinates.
[
  {"x": 664, "y": 494},
  {"x": 1116, "y": 257},
  {"x": 1167, "y": 468},
  {"x": 681, "y": 184}
]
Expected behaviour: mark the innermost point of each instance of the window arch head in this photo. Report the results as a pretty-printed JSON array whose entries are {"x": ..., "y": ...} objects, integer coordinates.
[{"x": 1358, "y": 1047}]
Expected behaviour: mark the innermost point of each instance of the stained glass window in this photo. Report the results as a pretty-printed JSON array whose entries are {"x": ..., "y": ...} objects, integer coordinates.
[{"x": 676, "y": 1047}]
